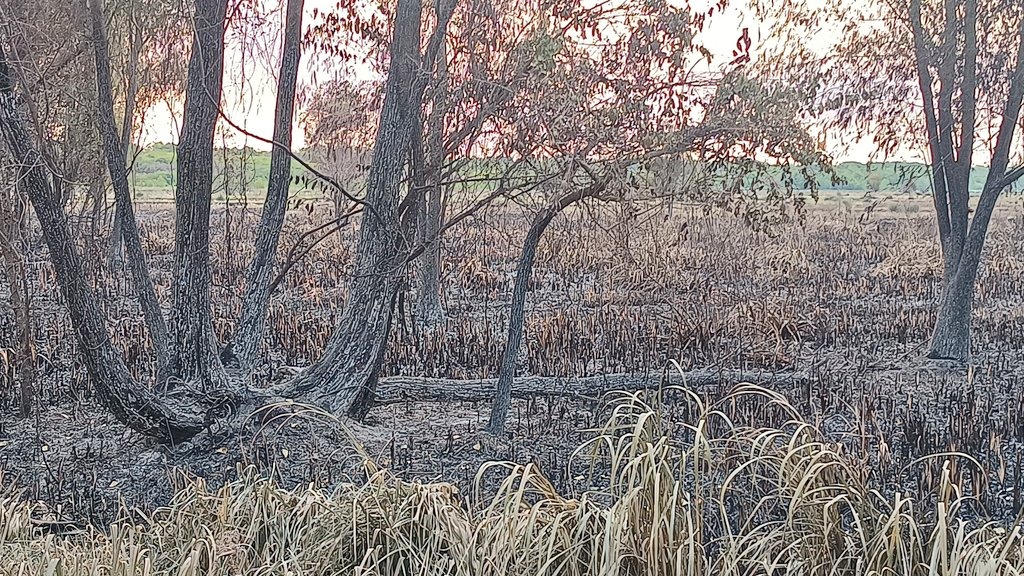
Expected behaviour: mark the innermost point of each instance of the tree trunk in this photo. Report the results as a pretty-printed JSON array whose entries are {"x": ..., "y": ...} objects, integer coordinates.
[
  {"x": 195, "y": 345},
  {"x": 126, "y": 133},
  {"x": 135, "y": 406},
  {"x": 951, "y": 337},
  {"x": 344, "y": 378},
  {"x": 11, "y": 218},
  {"x": 516, "y": 317},
  {"x": 429, "y": 310},
  {"x": 517, "y": 310},
  {"x": 249, "y": 335},
  {"x": 119, "y": 178}
]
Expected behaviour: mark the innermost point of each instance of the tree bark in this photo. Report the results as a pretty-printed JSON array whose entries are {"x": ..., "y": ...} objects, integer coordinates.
[
  {"x": 429, "y": 310},
  {"x": 135, "y": 406},
  {"x": 195, "y": 346},
  {"x": 344, "y": 378},
  {"x": 11, "y": 218},
  {"x": 249, "y": 335},
  {"x": 126, "y": 133},
  {"x": 517, "y": 310},
  {"x": 951, "y": 337},
  {"x": 119, "y": 179}
]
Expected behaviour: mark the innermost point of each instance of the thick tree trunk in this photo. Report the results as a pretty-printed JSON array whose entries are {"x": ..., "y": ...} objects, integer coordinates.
[
  {"x": 951, "y": 337},
  {"x": 135, "y": 406},
  {"x": 344, "y": 378},
  {"x": 249, "y": 335},
  {"x": 195, "y": 345},
  {"x": 517, "y": 310},
  {"x": 119, "y": 178}
]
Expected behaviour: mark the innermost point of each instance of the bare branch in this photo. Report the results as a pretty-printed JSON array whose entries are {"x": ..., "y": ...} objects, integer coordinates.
[{"x": 935, "y": 142}]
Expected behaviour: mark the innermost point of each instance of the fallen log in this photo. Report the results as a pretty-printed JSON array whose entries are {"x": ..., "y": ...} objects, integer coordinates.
[{"x": 395, "y": 389}]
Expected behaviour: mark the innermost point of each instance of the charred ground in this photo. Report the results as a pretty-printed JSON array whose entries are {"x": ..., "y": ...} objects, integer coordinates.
[{"x": 844, "y": 301}]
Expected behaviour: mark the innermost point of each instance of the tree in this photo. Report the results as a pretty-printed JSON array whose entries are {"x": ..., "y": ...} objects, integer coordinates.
[
  {"x": 137, "y": 407},
  {"x": 13, "y": 226},
  {"x": 199, "y": 386},
  {"x": 50, "y": 72},
  {"x": 128, "y": 229},
  {"x": 188, "y": 410},
  {"x": 428, "y": 166},
  {"x": 344, "y": 377},
  {"x": 959, "y": 71},
  {"x": 595, "y": 117},
  {"x": 196, "y": 357},
  {"x": 963, "y": 61},
  {"x": 249, "y": 334}
]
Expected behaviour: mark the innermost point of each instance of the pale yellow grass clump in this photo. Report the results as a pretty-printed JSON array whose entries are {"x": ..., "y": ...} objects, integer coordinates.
[{"x": 701, "y": 495}]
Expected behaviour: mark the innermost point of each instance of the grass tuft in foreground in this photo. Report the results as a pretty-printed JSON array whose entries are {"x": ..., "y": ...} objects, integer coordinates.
[{"x": 699, "y": 496}]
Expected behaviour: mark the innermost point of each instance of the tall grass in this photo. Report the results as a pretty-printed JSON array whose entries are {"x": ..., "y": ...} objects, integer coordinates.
[{"x": 695, "y": 495}]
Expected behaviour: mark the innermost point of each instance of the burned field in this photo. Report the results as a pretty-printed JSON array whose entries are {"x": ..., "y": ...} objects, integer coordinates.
[{"x": 833, "y": 313}]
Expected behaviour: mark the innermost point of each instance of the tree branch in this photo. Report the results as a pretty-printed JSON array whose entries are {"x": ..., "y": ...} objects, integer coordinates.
[
  {"x": 1001, "y": 155},
  {"x": 940, "y": 194},
  {"x": 968, "y": 91},
  {"x": 1011, "y": 177}
]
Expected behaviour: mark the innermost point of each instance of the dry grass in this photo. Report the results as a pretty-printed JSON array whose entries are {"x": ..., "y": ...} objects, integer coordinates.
[{"x": 678, "y": 488}]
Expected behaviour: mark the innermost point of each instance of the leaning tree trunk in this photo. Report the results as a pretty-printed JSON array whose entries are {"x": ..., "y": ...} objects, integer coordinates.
[
  {"x": 126, "y": 213},
  {"x": 249, "y": 334},
  {"x": 344, "y": 378},
  {"x": 135, "y": 406},
  {"x": 517, "y": 310},
  {"x": 195, "y": 345},
  {"x": 126, "y": 132}
]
